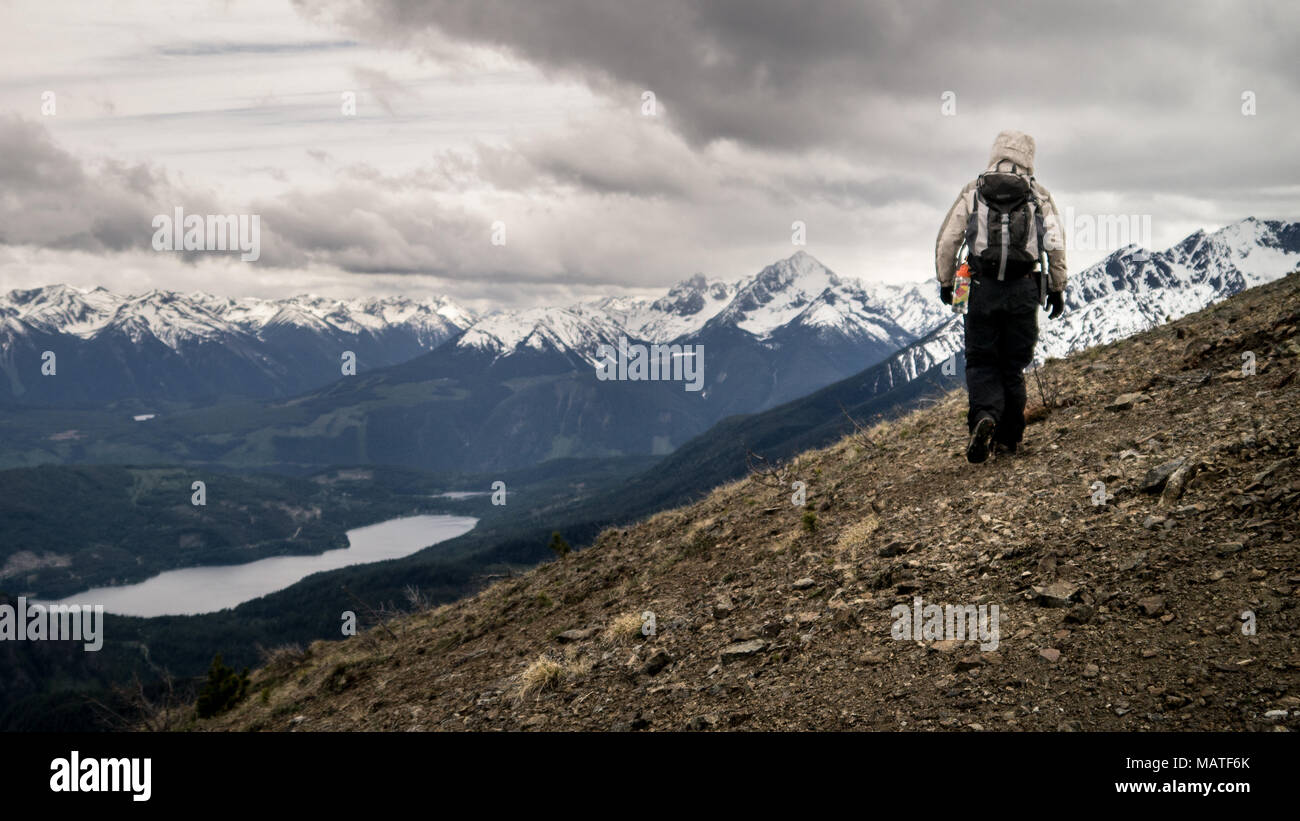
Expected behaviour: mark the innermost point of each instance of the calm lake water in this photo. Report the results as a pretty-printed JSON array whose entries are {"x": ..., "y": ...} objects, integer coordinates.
[{"x": 193, "y": 590}]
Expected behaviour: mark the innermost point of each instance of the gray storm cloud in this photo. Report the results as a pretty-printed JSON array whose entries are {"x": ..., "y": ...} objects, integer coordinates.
[
  {"x": 52, "y": 199},
  {"x": 789, "y": 74},
  {"x": 1137, "y": 106}
]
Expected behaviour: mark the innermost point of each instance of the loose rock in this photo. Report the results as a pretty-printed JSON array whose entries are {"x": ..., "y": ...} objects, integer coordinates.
[
  {"x": 1156, "y": 477},
  {"x": 1152, "y": 605},
  {"x": 1057, "y": 594},
  {"x": 1125, "y": 401},
  {"x": 571, "y": 636},
  {"x": 658, "y": 660},
  {"x": 743, "y": 650}
]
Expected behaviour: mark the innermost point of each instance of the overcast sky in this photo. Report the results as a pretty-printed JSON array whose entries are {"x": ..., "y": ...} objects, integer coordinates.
[{"x": 470, "y": 112}]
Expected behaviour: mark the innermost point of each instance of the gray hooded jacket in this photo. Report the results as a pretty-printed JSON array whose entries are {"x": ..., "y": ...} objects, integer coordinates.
[{"x": 1017, "y": 147}]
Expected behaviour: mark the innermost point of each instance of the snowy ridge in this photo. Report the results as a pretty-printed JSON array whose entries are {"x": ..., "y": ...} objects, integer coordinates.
[
  {"x": 796, "y": 293},
  {"x": 684, "y": 310},
  {"x": 914, "y": 306},
  {"x": 1133, "y": 289},
  {"x": 577, "y": 330},
  {"x": 176, "y": 319},
  {"x": 939, "y": 345}
]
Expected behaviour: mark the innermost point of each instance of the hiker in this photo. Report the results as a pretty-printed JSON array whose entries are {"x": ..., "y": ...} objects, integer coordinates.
[{"x": 1007, "y": 222}]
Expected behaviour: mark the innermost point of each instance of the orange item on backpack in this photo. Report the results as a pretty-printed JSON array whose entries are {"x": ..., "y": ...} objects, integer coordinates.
[{"x": 961, "y": 294}]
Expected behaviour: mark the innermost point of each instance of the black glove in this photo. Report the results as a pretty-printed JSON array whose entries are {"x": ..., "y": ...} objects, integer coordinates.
[
  {"x": 1056, "y": 303},
  {"x": 945, "y": 294}
]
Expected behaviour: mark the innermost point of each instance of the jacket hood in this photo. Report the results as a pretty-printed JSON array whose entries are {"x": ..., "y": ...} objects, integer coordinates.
[{"x": 1016, "y": 146}]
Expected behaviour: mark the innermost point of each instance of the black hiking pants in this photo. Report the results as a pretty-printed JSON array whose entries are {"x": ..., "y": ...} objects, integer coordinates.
[{"x": 1001, "y": 327}]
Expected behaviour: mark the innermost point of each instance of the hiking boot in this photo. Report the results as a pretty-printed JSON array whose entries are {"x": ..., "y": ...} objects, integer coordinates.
[
  {"x": 1004, "y": 449},
  {"x": 978, "y": 448}
]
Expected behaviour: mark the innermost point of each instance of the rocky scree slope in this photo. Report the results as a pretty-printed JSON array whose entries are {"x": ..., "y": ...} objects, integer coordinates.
[{"x": 1120, "y": 616}]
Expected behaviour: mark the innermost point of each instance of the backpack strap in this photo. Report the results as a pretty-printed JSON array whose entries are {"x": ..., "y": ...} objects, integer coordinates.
[{"x": 1039, "y": 221}]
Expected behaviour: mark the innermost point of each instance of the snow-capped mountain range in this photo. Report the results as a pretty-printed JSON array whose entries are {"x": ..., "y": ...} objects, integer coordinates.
[
  {"x": 277, "y": 347},
  {"x": 810, "y": 325},
  {"x": 797, "y": 292},
  {"x": 175, "y": 319},
  {"x": 789, "y": 329},
  {"x": 166, "y": 345}
]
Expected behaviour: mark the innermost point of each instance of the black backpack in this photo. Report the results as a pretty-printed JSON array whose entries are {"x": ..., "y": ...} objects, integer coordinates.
[{"x": 1005, "y": 228}]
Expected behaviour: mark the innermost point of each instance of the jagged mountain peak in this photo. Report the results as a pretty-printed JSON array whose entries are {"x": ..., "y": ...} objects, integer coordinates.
[
  {"x": 850, "y": 313},
  {"x": 63, "y": 308},
  {"x": 683, "y": 310},
  {"x": 574, "y": 330},
  {"x": 780, "y": 293},
  {"x": 692, "y": 296},
  {"x": 800, "y": 270}
]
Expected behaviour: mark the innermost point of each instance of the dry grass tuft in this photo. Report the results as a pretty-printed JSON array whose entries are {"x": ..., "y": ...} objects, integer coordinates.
[
  {"x": 624, "y": 627},
  {"x": 283, "y": 658},
  {"x": 543, "y": 674},
  {"x": 857, "y": 534}
]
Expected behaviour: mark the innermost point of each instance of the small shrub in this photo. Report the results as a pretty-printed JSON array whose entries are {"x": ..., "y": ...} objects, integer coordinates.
[
  {"x": 454, "y": 639},
  {"x": 418, "y": 601},
  {"x": 700, "y": 545},
  {"x": 340, "y": 678},
  {"x": 608, "y": 535},
  {"x": 283, "y": 658},
  {"x": 1049, "y": 387},
  {"x": 810, "y": 521},
  {"x": 558, "y": 545},
  {"x": 223, "y": 689}
]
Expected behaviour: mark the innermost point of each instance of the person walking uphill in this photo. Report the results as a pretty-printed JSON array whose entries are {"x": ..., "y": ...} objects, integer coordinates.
[{"x": 1007, "y": 223}]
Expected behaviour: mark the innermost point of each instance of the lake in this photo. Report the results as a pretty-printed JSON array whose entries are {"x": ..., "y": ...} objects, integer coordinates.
[{"x": 193, "y": 590}]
